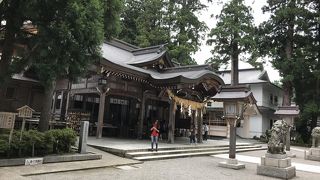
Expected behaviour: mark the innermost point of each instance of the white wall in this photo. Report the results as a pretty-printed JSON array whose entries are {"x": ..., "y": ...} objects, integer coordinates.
[
  {"x": 256, "y": 90},
  {"x": 269, "y": 89},
  {"x": 255, "y": 126}
]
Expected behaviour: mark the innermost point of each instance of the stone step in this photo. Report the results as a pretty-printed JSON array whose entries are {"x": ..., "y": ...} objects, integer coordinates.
[
  {"x": 183, "y": 155},
  {"x": 187, "y": 146},
  {"x": 182, "y": 151}
]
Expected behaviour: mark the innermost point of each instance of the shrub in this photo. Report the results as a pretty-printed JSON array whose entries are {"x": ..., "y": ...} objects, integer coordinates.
[
  {"x": 61, "y": 140},
  {"x": 37, "y": 143}
]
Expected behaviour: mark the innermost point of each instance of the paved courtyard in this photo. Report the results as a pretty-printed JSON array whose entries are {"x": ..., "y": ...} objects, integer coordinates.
[
  {"x": 184, "y": 168},
  {"x": 114, "y": 167}
]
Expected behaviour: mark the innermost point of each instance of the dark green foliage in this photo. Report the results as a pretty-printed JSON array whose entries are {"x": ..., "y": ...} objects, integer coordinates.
[
  {"x": 153, "y": 22},
  {"x": 291, "y": 38},
  {"x": 61, "y": 140},
  {"x": 112, "y": 10},
  {"x": 234, "y": 35},
  {"x": 35, "y": 143}
]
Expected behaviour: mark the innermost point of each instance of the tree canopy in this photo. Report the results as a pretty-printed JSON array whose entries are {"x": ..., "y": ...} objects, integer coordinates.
[
  {"x": 234, "y": 36},
  {"x": 153, "y": 22}
]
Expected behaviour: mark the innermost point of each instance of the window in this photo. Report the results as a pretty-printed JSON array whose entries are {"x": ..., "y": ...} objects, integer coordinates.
[
  {"x": 10, "y": 93},
  {"x": 276, "y": 100},
  {"x": 271, "y": 99}
]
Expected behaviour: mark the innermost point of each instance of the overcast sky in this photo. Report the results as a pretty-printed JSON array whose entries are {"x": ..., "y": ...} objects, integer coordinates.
[{"x": 215, "y": 8}]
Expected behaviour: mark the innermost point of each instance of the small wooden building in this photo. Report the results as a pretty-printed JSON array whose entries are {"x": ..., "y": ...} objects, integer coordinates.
[{"x": 132, "y": 87}]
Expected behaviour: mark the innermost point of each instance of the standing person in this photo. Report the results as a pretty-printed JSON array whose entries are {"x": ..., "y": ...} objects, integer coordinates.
[
  {"x": 192, "y": 137},
  {"x": 206, "y": 129},
  {"x": 154, "y": 134}
]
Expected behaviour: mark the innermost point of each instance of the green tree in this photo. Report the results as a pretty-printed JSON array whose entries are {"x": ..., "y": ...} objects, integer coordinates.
[
  {"x": 189, "y": 30},
  {"x": 281, "y": 36},
  {"x": 129, "y": 16},
  {"x": 234, "y": 36},
  {"x": 151, "y": 28},
  {"x": 112, "y": 11},
  {"x": 154, "y": 22},
  {"x": 67, "y": 38},
  {"x": 307, "y": 71}
]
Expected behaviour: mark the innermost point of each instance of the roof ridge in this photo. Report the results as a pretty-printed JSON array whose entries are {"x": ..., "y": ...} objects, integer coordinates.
[
  {"x": 125, "y": 43},
  {"x": 246, "y": 69},
  {"x": 188, "y": 66},
  {"x": 150, "y": 47}
]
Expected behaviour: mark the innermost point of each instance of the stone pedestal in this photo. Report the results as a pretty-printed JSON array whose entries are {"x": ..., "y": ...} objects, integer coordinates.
[
  {"x": 313, "y": 154},
  {"x": 231, "y": 164},
  {"x": 84, "y": 129},
  {"x": 290, "y": 154},
  {"x": 276, "y": 165}
]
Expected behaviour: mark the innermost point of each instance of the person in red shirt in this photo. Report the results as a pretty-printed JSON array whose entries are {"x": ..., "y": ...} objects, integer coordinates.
[{"x": 154, "y": 134}]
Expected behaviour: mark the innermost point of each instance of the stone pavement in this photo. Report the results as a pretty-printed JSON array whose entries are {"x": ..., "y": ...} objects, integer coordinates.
[
  {"x": 22, "y": 172},
  {"x": 299, "y": 161},
  {"x": 134, "y": 144}
]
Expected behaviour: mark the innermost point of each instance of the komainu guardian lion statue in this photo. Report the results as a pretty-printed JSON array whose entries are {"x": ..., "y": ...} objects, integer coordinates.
[{"x": 278, "y": 133}]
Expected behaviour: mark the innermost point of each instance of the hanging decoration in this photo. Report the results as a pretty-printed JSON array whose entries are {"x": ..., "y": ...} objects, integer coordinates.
[
  {"x": 192, "y": 104},
  {"x": 189, "y": 111}
]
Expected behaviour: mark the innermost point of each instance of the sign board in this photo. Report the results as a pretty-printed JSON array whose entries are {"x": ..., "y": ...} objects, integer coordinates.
[
  {"x": 119, "y": 101},
  {"x": 7, "y": 120},
  {"x": 25, "y": 112},
  {"x": 33, "y": 161}
]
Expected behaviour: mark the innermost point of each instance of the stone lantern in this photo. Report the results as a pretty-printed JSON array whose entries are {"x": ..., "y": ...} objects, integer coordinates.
[
  {"x": 235, "y": 99},
  {"x": 288, "y": 113}
]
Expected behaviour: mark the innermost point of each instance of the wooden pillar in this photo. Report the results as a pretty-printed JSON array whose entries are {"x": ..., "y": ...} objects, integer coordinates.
[
  {"x": 67, "y": 104},
  {"x": 101, "y": 111},
  {"x": 141, "y": 117},
  {"x": 171, "y": 125},
  {"x": 200, "y": 123},
  {"x": 61, "y": 101},
  {"x": 53, "y": 108}
]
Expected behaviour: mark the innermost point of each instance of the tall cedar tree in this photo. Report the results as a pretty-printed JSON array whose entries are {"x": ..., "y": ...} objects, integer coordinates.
[
  {"x": 307, "y": 71},
  {"x": 234, "y": 36},
  {"x": 69, "y": 35},
  {"x": 151, "y": 29},
  {"x": 154, "y": 22},
  {"x": 129, "y": 16},
  {"x": 112, "y": 10},
  {"x": 281, "y": 40},
  {"x": 188, "y": 30}
]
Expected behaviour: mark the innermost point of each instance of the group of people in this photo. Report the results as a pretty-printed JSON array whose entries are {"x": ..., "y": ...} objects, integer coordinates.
[
  {"x": 155, "y": 131},
  {"x": 192, "y": 134}
]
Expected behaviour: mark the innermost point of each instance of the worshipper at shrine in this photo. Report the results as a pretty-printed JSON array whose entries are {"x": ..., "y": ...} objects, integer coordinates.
[
  {"x": 205, "y": 129},
  {"x": 155, "y": 134}
]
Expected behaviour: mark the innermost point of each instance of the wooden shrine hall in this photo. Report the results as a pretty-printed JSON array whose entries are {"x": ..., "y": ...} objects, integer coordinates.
[{"x": 132, "y": 87}]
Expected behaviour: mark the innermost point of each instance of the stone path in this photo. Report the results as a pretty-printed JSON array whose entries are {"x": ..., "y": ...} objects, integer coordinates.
[
  {"x": 22, "y": 172},
  {"x": 257, "y": 160}
]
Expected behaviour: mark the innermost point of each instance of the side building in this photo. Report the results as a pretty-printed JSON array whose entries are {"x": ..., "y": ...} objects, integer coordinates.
[{"x": 257, "y": 119}]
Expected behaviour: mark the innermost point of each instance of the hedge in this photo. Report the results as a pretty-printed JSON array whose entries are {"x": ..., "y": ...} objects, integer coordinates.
[{"x": 35, "y": 143}]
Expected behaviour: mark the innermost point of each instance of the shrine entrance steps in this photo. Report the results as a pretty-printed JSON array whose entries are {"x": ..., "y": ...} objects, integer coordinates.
[
  {"x": 192, "y": 151},
  {"x": 145, "y": 154}
]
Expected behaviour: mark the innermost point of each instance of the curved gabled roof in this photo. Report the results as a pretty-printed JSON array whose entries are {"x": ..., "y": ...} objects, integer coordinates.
[{"x": 119, "y": 57}]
